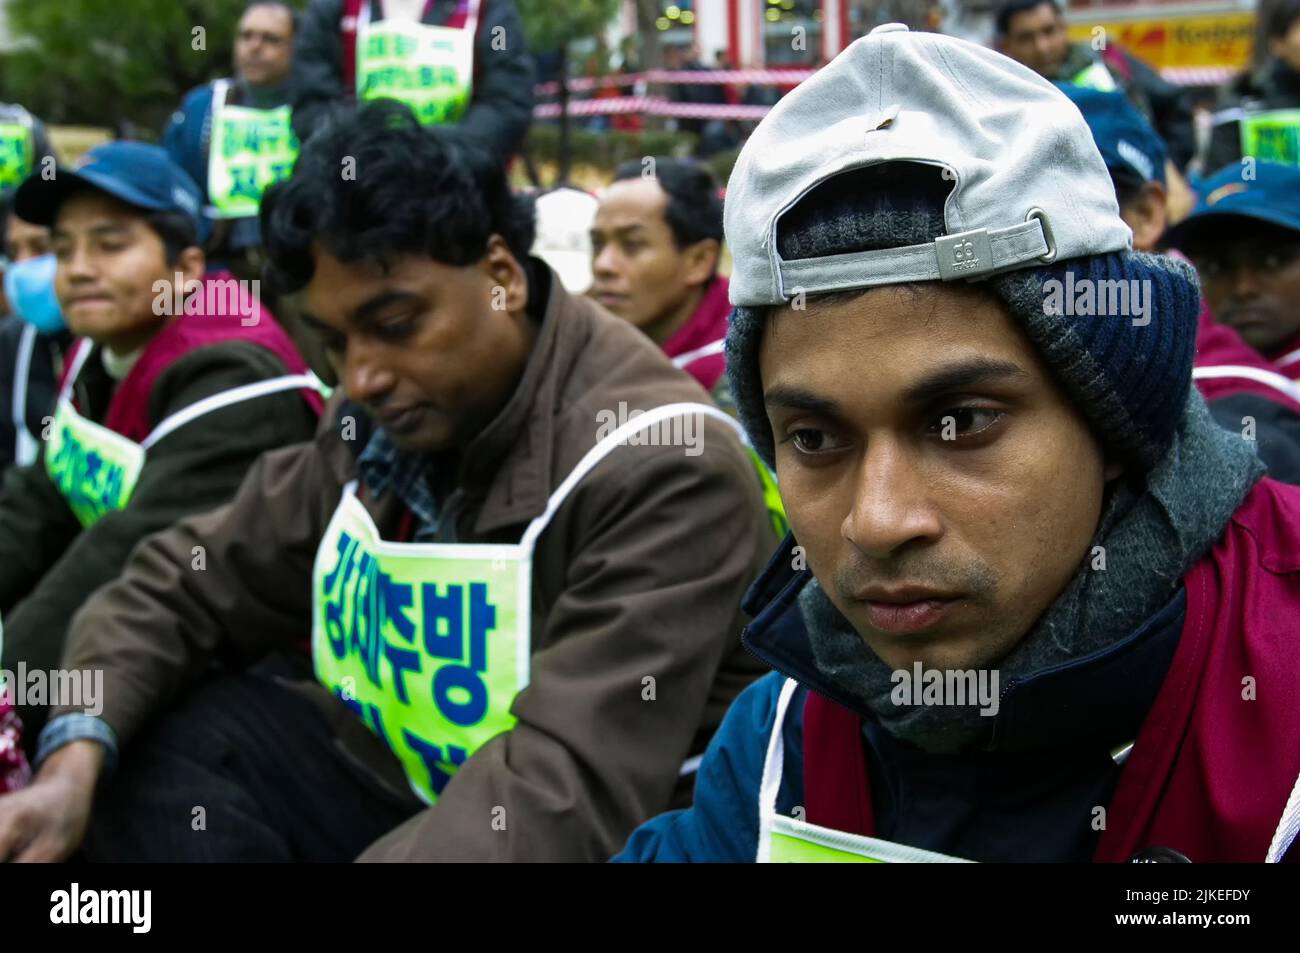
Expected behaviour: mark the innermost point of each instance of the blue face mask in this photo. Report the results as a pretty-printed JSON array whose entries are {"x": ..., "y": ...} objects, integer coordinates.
[{"x": 29, "y": 286}]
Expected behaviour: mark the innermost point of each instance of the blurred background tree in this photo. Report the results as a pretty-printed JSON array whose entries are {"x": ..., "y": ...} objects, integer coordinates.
[
  {"x": 121, "y": 64},
  {"x": 550, "y": 28}
]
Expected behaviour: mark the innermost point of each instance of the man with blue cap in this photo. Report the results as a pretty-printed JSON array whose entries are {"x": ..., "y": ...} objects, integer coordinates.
[
  {"x": 176, "y": 385},
  {"x": 1243, "y": 391},
  {"x": 1028, "y": 575},
  {"x": 1244, "y": 236}
]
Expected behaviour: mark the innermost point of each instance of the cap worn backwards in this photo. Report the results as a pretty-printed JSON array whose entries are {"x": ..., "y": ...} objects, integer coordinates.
[{"x": 1029, "y": 200}]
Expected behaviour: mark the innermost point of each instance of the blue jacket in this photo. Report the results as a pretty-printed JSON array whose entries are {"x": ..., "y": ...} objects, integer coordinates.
[{"x": 1030, "y": 797}]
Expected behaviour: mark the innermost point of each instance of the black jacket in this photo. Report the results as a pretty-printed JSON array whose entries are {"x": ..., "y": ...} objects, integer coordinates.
[
  {"x": 501, "y": 106},
  {"x": 49, "y": 564}
]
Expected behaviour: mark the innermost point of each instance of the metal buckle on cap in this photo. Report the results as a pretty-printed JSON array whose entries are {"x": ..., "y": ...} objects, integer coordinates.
[
  {"x": 1048, "y": 237},
  {"x": 964, "y": 255}
]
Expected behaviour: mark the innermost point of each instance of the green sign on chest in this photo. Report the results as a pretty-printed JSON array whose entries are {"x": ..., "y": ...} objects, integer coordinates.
[
  {"x": 16, "y": 154},
  {"x": 428, "y": 644},
  {"x": 429, "y": 68},
  {"x": 251, "y": 150},
  {"x": 1272, "y": 136}
]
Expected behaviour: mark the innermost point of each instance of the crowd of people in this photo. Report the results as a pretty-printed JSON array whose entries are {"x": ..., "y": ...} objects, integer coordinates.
[{"x": 929, "y": 494}]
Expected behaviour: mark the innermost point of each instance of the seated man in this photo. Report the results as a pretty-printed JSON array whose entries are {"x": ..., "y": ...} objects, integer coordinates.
[
  {"x": 517, "y": 544},
  {"x": 1041, "y": 607},
  {"x": 1244, "y": 236},
  {"x": 656, "y": 242},
  {"x": 165, "y": 402},
  {"x": 1244, "y": 392}
]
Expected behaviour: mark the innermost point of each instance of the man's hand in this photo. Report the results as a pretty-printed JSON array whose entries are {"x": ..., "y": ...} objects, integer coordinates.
[{"x": 47, "y": 821}]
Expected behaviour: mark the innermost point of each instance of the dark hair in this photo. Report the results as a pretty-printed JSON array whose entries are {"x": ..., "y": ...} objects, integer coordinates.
[
  {"x": 433, "y": 191},
  {"x": 1002, "y": 18},
  {"x": 694, "y": 210},
  {"x": 283, "y": 4},
  {"x": 1282, "y": 17},
  {"x": 176, "y": 230}
]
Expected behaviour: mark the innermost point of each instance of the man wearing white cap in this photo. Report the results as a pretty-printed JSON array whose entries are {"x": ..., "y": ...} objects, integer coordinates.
[{"x": 1035, "y": 604}]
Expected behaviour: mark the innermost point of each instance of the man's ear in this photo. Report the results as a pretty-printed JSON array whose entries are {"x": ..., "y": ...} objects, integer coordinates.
[
  {"x": 505, "y": 272},
  {"x": 1114, "y": 468},
  {"x": 1147, "y": 216},
  {"x": 701, "y": 261},
  {"x": 192, "y": 263}
]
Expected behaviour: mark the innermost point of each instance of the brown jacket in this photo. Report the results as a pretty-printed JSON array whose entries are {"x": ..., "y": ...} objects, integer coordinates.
[{"x": 640, "y": 573}]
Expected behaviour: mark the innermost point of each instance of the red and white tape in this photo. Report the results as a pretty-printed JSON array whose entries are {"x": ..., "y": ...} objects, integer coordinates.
[
  {"x": 651, "y": 106},
  {"x": 753, "y": 77}
]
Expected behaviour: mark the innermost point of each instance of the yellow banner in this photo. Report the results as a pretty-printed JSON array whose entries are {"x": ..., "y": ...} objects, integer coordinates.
[{"x": 1219, "y": 40}]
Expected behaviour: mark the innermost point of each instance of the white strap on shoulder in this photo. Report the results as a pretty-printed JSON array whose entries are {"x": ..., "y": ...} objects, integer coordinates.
[
  {"x": 1258, "y": 374},
  {"x": 25, "y": 446},
  {"x": 79, "y": 355},
  {"x": 603, "y": 449},
  {"x": 471, "y": 18},
  {"x": 690, "y": 357},
  {"x": 22, "y": 370},
  {"x": 1287, "y": 827},
  {"x": 1288, "y": 357},
  {"x": 220, "y": 90},
  {"x": 773, "y": 767},
  {"x": 227, "y": 398}
]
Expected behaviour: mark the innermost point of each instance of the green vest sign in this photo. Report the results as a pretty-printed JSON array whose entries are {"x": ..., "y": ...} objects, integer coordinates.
[
  {"x": 429, "y": 68},
  {"x": 17, "y": 149},
  {"x": 1272, "y": 136},
  {"x": 251, "y": 149}
]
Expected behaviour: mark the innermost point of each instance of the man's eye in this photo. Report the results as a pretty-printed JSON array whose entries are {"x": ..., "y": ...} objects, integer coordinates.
[
  {"x": 964, "y": 422},
  {"x": 396, "y": 329},
  {"x": 1211, "y": 267},
  {"x": 1278, "y": 259},
  {"x": 808, "y": 440}
]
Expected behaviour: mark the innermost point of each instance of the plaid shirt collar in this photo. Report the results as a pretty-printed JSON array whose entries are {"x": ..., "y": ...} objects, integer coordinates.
[{"x": 384, "y": 467}]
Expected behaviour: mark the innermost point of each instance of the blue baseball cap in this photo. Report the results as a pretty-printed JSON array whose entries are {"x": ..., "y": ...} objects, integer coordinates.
[
  {"x": 137, "y": 173},
  {"x": 1124, "y": 138},
  {"x": 1271, "y": 196}
]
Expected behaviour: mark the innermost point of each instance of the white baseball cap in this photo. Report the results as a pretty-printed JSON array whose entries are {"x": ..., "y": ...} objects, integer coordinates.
[
  {"x": 1028, "y": 185},
  {"x": 563, "y": 238}
]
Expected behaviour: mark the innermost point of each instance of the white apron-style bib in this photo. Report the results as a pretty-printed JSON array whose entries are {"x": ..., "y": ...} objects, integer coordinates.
[
  {"x": 429, "y": 643},
  {"x": 249, "y": 151},
  {"x": 783, "y": 839},
  {"x": 96, "y": 469},
  {"x": 429, "y": 68}
]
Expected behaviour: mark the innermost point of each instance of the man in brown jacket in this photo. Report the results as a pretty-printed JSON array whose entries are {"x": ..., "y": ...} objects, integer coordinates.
[{"x": 520, "y": 596}]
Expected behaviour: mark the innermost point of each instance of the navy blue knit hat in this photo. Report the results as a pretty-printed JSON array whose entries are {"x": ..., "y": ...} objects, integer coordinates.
[{"x": 1130, "y": 379}]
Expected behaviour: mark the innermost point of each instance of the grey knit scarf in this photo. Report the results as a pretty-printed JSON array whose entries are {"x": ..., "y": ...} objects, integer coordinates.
[{"x": 1151, "y": 537}]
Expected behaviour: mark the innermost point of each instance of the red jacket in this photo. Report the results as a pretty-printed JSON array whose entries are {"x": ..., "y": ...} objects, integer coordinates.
[
  {"x": 696, "y": 347},
  {"x": 1242, "y": 368},
  {"x": 1215, "y": 765},
  {"x": 128, "y": 411}
]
